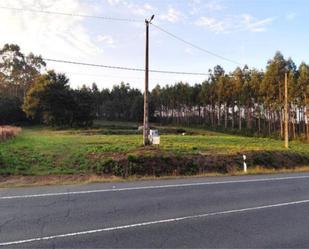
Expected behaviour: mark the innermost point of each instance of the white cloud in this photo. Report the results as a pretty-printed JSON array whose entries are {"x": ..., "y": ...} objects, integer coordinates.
[
  {"x": 255, "y": 25},
  {"x": 50, "y": 35},
  {"x": 113, "y": 2},
  {"x": 202, "y": 6},
  {"x": 143, "y": 9},
  {"x": 230, "y": 24},
  {"x": 212, "y": 24},
  {"x": 215, "y": 5},
  {"x": 172, "y": 15},
  {"x": 194, "y": 6}
]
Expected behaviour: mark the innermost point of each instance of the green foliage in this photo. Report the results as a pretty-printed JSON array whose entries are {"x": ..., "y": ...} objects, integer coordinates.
[
  {"x": 120, "y": 103},
  {"x": 83, "y": 106},
  {"x": 248, "y": 101},
  {"x": 51, "y": 101},
  {"x": 18, "y": 71},
  {"x": 39, "y": 151},
  {"x": 10, "y": 110}
]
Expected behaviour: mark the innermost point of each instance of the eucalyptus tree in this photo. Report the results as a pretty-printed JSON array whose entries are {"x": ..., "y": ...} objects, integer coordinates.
[
  {"x": 238, "y": 82},
  {"x": 273, "y": 90},
  {"x": 18, "y": 71},
  {"x": 256, "y": 96},
  {"x": 303, "y": 93}
]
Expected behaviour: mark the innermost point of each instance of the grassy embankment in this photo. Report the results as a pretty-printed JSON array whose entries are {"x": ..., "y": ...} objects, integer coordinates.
[{"x": 114, "y": 149}]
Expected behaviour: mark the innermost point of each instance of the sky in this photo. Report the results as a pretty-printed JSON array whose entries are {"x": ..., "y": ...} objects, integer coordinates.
[{"x": 246, "y": 31}]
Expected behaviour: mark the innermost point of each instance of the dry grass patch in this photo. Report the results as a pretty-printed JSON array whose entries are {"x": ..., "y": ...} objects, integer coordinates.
[{"x": 8, "y": 132}]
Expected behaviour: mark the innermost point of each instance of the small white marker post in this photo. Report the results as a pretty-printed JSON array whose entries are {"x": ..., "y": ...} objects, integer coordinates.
[{"x": 245, "y": 165}]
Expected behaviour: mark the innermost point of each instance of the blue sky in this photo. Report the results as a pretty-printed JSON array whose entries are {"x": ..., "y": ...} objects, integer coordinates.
[{"x": 247, "y": 31}]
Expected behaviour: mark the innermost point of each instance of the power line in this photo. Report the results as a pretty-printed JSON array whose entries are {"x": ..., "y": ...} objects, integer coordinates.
[
  {"x": 125, "y": 76},
  {"x": 196, "y": 46},
  {"x": 123, "y": 68},
  {"x": 123, "y": 20},
  {"x": 71, "y": 14}
]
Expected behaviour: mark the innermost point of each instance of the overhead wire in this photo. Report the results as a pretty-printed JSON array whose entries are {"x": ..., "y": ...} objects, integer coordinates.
[
  {"x": 71, "y": 14},
  {"x": 123, "y": 68},
  {"x": 127, "y": 20},
  {"x": 127, "y": 76},
  {"x": 196, "y": 46}
]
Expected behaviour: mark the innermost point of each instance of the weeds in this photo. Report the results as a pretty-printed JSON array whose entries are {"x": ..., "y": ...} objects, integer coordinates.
[
  {"x": 42, "y": 151},
  {"x": 8, "y": 132}
]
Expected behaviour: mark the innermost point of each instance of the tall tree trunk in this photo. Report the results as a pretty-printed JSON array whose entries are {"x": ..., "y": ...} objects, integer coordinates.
[
  {"x": 199, "y": 114},
  {"x": 269, "y": 122},
  {"x": 225, "y": 116},
  {"x": 212, "y": 116},
  {"x": 219, "y": 115},
  {"x": 258, "y": 111},
  {"x": 281, "y": 123},
  {"x": 306, "y": 123},
  {"x": 249, "y": 118},
  {"x": 233, "y": 116},
  {"x": 293, "y": 124},
  {"x": 239, "y": 120}
]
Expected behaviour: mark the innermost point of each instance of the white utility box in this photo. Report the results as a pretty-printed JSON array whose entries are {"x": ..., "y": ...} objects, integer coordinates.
[{"x": 154, "y": 137}]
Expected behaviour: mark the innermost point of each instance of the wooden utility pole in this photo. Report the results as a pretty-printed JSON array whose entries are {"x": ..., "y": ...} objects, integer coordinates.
[
  {"x": 286, "y": 113},
  {"x": 146, "y": 93}
]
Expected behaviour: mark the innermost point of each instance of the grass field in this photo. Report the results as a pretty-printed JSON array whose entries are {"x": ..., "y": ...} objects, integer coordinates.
[{"x": 43, "y": 151}]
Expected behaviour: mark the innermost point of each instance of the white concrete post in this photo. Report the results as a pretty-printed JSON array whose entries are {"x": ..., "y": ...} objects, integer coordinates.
[{"x": 245, "y": 165}]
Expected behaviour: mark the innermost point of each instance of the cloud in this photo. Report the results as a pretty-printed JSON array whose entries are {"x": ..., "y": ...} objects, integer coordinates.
[
  {"x": 255, "y": 25},
  {"x": 194, "y": 6},
  {"x": 212, "y": 24},
  {"x": 49, "y": 35},
  {"x": 231, "y": 24},
  {"x": 113, "y": 2},
  {"x": 215, "y": 5},
  {"x": 201, "y": 6},
  {"x": 172, "y": 15},
  {"x": 143, "y": 9}
]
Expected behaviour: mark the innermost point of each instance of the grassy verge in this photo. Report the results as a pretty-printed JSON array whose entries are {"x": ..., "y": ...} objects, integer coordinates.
[{"x": 34, "y": 181}]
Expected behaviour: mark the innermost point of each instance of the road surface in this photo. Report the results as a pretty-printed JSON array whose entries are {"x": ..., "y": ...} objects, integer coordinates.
[{"x": 265, "y": 211}]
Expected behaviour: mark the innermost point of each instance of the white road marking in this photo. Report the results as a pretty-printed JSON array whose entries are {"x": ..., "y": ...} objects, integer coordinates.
[
  {"x": 151, "y": 187},
  {"x": 148, "y": 223}
]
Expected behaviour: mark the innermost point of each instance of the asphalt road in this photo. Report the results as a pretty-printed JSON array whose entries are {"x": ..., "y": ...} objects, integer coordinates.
[{"x": 266, "y": 211}]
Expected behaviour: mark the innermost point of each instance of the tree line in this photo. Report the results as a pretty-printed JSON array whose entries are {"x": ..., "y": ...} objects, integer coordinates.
[
  {"x": 28, "y": 94},
  {"x": 245, "y": 100}
]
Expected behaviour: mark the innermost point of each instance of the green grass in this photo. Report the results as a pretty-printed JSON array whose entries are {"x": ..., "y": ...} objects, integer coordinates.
[{"x": 43, "y": 151}]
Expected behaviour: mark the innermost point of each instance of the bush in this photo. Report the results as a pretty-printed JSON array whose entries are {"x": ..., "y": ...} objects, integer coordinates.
[{"x": 10, "y": 110}]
